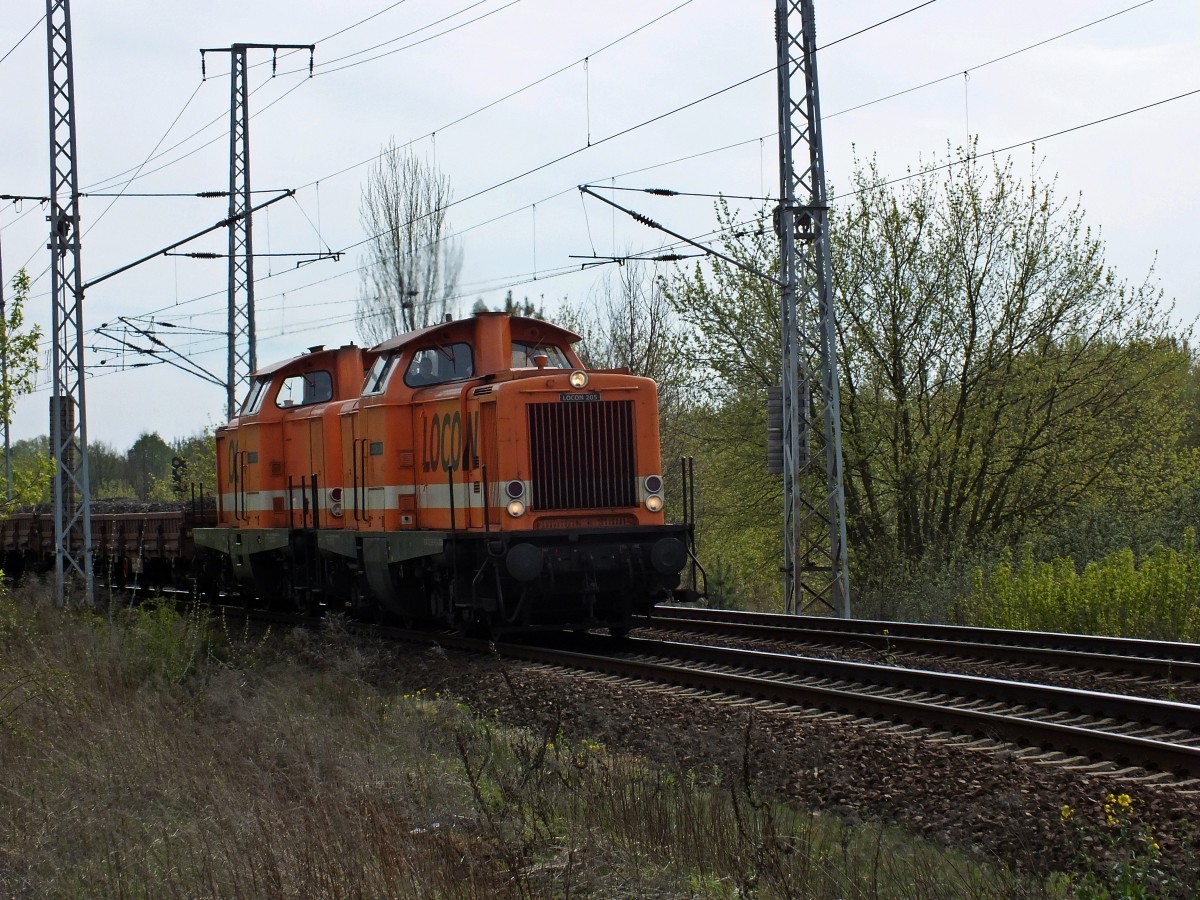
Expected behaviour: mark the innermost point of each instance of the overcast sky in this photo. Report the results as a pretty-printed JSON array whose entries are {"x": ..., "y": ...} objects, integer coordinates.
[{"x": 421, "y": 71}]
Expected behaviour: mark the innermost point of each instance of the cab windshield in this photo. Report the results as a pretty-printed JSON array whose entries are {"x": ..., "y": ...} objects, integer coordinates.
[
  {"x": 439, "y": 364},
  {"x": 254, "y": 399},
  {"x": 305, "y": 389},
  {"x": 523, "y": 353},
  {"x": 381, "y": 371}
]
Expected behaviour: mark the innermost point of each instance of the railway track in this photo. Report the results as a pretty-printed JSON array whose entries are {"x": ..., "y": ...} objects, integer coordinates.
[
  {"x": 1163, "y": 661},
  {"x": 1071, "y": 726}
]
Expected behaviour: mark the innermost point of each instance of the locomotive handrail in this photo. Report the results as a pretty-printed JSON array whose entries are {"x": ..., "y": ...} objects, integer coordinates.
[
  {"x": 487, "y": 500},
  {"x": 241, "y": 485},
  {"x": 316, "y": 502},
  {"x": 354, "y": 475},
  {"x": 362, "y": 449}
]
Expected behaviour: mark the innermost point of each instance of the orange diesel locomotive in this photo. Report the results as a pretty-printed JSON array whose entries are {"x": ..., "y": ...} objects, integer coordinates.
[{"x": 472, "y": 473}]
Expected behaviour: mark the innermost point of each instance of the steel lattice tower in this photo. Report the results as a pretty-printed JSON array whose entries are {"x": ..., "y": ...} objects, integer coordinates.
[
  {"x": 815, "y": 571},
  {"x": 68, "y": 412},
  {"x": 242, "y": 354},
  {"x": 242, "y": 345}
]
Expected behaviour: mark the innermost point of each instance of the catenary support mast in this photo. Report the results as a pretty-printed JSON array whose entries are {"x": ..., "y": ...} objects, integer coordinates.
[
  {"x": 68, "y": 411},
  {"x": 242, "y": 351},
  {"x": 815, "y": 572}
]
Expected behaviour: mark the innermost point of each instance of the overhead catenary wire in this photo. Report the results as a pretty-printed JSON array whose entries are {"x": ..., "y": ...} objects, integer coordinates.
[
  {"x": 138, "y": 173},
  {"x": 217, "y": 119},
  {"x": 658, "y": 118},
  {"x": 325, "y": 322},
  {"x": 840, "y": 196},
  {"x": 1032, "y": 141},
  {"x": 532, "y": 84},
  {"x": 158, "y": 144},
  {"x": 958, "y": 73},
  {"x": 581, "y": 149},
  {"x": 326, "y": 63},
  {"x": 220, "y": 137},
  {"x": 13, "y": 48},
  {"x": 362, "y": 21},
  {"x": 1046, "y": 137},
  {"x": 855, "y": 34}
]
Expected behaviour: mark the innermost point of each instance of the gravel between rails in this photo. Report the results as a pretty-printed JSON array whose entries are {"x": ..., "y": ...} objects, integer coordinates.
[{"x": 993, "y": 803}]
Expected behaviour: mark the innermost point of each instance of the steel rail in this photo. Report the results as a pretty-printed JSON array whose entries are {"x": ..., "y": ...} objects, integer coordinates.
[
  {"x": 1052, "y": 699},
  {"x": 1157, "y": 659}
]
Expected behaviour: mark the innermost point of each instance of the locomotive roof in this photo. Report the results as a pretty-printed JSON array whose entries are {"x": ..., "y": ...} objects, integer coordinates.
[
  {"x": 521, "y": 326},
  {"x": 274, "y": 367}
]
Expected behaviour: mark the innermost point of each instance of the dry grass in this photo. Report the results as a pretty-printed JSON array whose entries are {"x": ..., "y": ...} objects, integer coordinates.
[{"x": 157, "y": 755}]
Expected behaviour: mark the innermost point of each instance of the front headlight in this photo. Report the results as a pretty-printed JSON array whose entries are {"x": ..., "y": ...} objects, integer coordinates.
[
  {"x": 579, "y": 379},
  {"x": 654, "y": 503},
  {"x": 516, "y": 508}
]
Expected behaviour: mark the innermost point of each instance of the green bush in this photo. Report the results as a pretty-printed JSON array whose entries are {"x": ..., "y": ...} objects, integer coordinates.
[
  {"x": 1158, "y": 597},
  {"x": 162, "y": 645}
]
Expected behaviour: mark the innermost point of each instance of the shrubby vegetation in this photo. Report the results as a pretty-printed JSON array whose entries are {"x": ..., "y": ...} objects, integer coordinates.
[
  {"x": 1001, "y": 387},
  {"x": 1118, "y": 595}
]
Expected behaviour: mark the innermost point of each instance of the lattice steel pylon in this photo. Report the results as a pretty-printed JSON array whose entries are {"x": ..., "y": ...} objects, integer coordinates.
[
  {"x": 242, "y": 352},
  {"x": 242, "y": 345},
  {"x": 815, "y": 570},
  {"x": 68, "y": 411}
]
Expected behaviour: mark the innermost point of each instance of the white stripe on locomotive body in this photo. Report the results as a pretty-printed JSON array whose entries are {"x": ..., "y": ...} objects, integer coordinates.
[
  {"x": 437, "y": 496},
  {"x": 256, "y": 501},
  {"x": 380, "y": 498}
]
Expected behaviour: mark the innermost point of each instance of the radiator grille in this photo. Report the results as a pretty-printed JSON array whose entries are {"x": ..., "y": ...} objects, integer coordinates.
[{"x": 582, "y": 455}]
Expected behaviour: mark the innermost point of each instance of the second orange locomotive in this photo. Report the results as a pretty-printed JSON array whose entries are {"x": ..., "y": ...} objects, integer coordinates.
[{"x": 472, "y": 473}]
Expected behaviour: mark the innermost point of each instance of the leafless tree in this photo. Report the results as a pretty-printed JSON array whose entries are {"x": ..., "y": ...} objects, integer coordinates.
[
  {"x": 629, "y": 324},
  {"x": 412, "y": 266}
]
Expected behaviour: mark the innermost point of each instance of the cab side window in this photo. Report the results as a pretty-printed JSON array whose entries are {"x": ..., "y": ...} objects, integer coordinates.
[
  {"x": 439, "y": 364},
  {"x": 305, "y": 389}
]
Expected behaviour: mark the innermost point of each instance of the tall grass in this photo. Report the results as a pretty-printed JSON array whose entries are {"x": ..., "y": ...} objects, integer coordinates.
[
  {"x": 1119, "y": 595},
  {"x": 157, "y": 754}
]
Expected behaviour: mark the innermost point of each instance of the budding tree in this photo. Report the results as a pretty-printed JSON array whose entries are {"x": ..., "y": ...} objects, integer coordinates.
[{"x": 18, "y": 362}]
